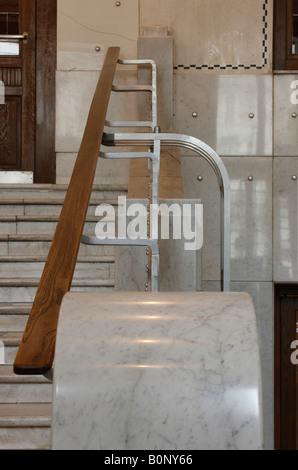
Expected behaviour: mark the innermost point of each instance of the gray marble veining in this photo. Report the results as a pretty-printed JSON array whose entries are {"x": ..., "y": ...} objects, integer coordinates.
[{"x": 167, "y": 371}]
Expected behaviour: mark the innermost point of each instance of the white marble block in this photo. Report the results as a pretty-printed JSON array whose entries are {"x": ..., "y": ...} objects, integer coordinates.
[{"x": 165, "y": 371}]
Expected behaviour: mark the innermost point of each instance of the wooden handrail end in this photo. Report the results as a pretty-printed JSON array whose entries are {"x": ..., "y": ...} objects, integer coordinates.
[{"x": 31, "y": 370}]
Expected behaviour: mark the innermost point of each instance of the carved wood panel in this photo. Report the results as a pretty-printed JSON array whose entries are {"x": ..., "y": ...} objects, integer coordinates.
[{"x": 10, "y": 133}]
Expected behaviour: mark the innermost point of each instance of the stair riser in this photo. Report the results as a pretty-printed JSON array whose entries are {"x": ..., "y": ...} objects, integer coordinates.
[
  {"x": 39, "y": 209},
  {"x": 53, "y": 193},
  {"x": 25, "y": 438},
  {"x": 26, "y": 393},
  {"x": 10, "y": 209},
  {"x": 38, "y": 248},
  {"x": 27, "y": 294},
  {"x": 10, "y": 323},
  {"x": 10, "y": 353},
  {"x": 39, "y": 227},
  {"x": 83, "y": 270}
]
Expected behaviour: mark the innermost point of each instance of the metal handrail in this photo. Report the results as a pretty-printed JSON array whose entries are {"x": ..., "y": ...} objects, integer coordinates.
[
  {"x": 36, "y": 352},
  {"x": 13, "y": 36},
  {"x": 203, "y": 150}
]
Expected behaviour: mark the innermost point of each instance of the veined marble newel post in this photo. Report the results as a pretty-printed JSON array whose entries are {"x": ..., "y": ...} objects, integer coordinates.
[{"x": 164, "y": 371}]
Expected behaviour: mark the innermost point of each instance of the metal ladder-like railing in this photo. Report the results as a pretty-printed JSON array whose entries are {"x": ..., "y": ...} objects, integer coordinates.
[
  {"x": 154, "y": 141},
  {"x": 36, "y": 352}
]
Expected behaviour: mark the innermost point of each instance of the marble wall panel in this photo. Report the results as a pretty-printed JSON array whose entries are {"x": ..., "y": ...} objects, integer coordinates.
[
  {"x": 83, "y": 26},
  {"x": 232, "y": 114},
  {"x": 285, "y": 267},
  {"x": 107, "y": 171},
  {"x": 251, "y": 215},
  {"x": 286, "y": 115},
  {"x": 74, "y": 94},
  {"x": 215, "y": 36}
]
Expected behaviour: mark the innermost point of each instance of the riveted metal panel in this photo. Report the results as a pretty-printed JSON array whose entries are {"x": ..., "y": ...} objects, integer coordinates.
[
  {"x": 251, "y": 215},
  {"x": 285, "y": 219},
  {"x": 231, "y": 114},
  {"x": 286, "y": 115}
]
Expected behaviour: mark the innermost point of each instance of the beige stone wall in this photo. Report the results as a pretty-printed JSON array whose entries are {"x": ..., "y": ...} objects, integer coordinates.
[{"x": 218, "y": 37}]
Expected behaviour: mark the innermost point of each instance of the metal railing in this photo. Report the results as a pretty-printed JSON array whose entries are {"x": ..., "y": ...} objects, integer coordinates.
[{"x": 36, "y": 352}]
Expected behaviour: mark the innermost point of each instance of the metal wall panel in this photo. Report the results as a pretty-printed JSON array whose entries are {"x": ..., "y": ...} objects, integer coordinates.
[
  {"x": 232, "y": 114},
  {"x": 251, "y": 215},
  {"x": 285, "y": 219},
  {"x": 286, "y": 115}
]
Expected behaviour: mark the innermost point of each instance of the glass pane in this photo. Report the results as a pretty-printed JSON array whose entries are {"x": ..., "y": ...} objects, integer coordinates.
[
  {"x": 9, "y": 48},
  {"x": 295, "y": 28},
  {"x": 9, "y": 26}
]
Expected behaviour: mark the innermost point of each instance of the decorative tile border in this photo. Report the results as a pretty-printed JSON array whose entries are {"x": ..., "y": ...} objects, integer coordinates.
[{"x": 240, "y": 66}]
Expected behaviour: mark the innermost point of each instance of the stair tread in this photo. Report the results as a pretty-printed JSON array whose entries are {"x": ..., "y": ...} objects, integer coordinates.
[
  {"x": 15, "y": 307},
  {"x": 53, "y": 201},
  {"x": 42, "y": 259},
  {"x": 11, "y": 338},
  {"x": 38, "y": 218},
  {"x": 27, "y": 237},
  {"x": 61, "y": 187},
  {"x": 34, "y": 281},
  {"x": 25, "y": 414},
  {"x": 7, "y": 375}
]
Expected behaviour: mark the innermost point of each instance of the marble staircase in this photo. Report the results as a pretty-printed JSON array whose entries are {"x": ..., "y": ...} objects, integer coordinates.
[{"x": 28, "y": 217}]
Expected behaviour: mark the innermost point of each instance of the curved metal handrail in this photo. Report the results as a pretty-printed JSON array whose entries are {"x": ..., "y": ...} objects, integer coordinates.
[{"x": 202, "y": 149}]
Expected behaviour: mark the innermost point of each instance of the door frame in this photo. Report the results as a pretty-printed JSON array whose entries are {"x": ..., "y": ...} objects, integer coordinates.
[
  {"x": 45, "y": 116},
  {"x": 286, "y": 305}
]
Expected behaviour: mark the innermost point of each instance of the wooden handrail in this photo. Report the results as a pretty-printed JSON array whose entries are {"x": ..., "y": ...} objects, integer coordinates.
[{"x": 36, "y": 352}]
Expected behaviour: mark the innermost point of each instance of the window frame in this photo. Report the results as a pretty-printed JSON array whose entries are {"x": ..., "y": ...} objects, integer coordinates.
[{"x": 283, "y": 31}]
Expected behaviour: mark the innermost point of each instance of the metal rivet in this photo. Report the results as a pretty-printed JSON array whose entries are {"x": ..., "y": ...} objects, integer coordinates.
[
  {"x": 200, "y": 178},
  {"x": 97, "y": 48},
  {"x": 118, "y": 4},
  {"x": 294, "y": 178},
  {"x": 294, "y": 115},
  {"x": 194, "y": 115},
  {"x": 251, "y": 115},
  {"x": 250, "y": 178}
]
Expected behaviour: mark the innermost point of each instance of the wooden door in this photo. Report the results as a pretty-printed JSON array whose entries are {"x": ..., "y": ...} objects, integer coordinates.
[
  {"x": 17, "y": 72},
  {"x": 27, "y": 70},
  {"x": 286, "y": 367}
]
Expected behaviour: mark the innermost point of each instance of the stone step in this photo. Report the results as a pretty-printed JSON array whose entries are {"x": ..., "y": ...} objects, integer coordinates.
[
  {"x": 11, "y": 342},
  {"x": 28, "y": 218},
  {"x": 41, "y": 224},
  {"x": 24, "y": 290},
  {"x": 28, "y": 207},
  {"x": 36, "y": 244},
  {"x": 23, "y": 389},
  {"x": 56, "y": 191},
  {"x": 14, "y": 316},
  {"x": 32, "y": 266},
  {"x": 25, "y": 426}
]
